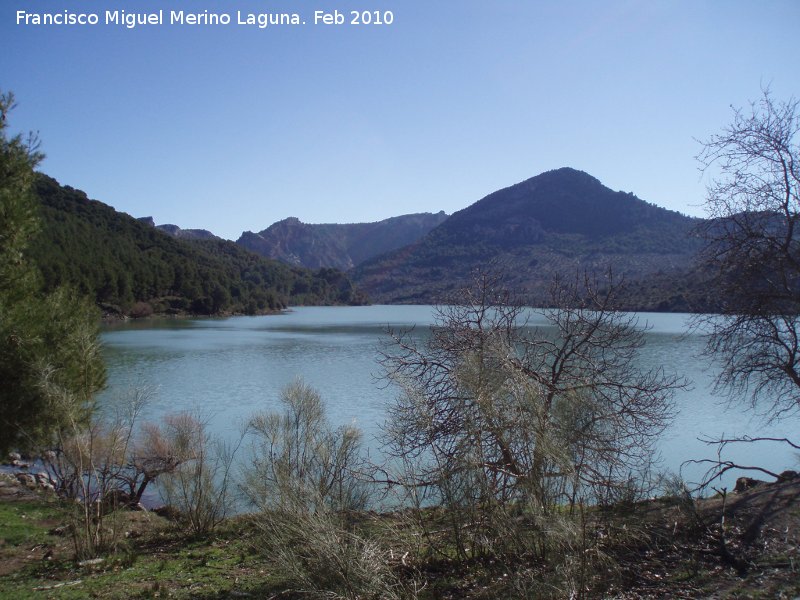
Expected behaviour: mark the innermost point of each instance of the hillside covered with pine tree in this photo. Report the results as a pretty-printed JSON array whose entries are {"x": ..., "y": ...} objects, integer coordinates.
[{"x": 130, "y": 267}]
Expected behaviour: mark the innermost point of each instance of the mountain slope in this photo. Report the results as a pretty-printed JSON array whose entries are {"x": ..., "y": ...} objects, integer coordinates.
[
  {"x": 121, "y": 261},
  {"x": 561, "y": 223},
  {"x": 334, "y": 245}
]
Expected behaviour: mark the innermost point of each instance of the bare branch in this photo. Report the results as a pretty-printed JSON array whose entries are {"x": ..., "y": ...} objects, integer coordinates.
[
  {"x": 523, "y": 413},
  {"x": 753, "y": 251}
]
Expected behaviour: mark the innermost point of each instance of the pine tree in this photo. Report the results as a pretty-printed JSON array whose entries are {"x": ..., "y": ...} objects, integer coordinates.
[{"x": 50, "y": 363}]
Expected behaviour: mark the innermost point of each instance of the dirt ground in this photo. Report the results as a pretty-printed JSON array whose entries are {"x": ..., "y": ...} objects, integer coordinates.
[{"x": 742, "y": 545}]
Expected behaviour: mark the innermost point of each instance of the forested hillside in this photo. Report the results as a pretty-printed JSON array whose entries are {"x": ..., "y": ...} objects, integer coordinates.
[
  {"x": 131, "y": 267},
  {"x": 557, "y": 224}
]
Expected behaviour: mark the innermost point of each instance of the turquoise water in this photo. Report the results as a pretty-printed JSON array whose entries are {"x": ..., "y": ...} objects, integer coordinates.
[{"x": 228, "y": 369}]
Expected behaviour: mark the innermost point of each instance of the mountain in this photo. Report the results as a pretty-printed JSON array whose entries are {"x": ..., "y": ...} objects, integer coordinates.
[
  {"x": 338, "y": 246},
  {"x": 175, "y": 231},
  {"x": 559, "y": 223},
  {"x": 128, "y": 266}
]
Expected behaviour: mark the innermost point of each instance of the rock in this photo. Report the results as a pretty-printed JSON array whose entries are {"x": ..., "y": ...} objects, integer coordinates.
[
  {"x": 168, "y": 512},
  {"x": 12, "y": 456},
  {"x": 115, "y": 499},
  {"x": 747, "y": 483},
  {"x": 91, "y": 562},
  {"x": 61, "y": 530},
  {"x": 26, "y": 479}
]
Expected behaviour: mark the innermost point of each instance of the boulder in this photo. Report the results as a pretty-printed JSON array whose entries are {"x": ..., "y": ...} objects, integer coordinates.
[
  {"x": 26, "y": 479},
  {"x": 747, "y": 483}
]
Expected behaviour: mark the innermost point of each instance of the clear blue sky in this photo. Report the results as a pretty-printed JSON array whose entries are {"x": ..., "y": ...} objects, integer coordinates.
[{"x": 231, "y": 128}]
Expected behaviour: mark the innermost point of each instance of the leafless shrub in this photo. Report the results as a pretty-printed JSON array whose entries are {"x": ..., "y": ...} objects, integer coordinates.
[
  {"x": 111, "y": 462},
  {"x": 198, "y": 486},
  {"x": 501, "y": 422},
  {"x": 299, "y": 463},
  {"x": 753, "y": 255},
  {"x": 141, "y": 310},
  {"x": 307, "y": 479},
  {"x": 88, "y": 466}
]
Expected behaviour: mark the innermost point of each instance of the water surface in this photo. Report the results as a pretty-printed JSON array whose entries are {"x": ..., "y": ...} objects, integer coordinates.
[{"x": 227, "y": 369}]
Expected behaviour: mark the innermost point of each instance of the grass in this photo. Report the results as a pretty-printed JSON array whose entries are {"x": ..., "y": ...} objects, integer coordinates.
[
  {"x": 157, "y": 560},
  {"x": 26, "y": 522},
  {"x": 664, "y": 556}
]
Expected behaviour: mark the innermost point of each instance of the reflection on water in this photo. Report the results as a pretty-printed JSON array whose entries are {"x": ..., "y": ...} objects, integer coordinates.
[{"x": 227, "y": 369}]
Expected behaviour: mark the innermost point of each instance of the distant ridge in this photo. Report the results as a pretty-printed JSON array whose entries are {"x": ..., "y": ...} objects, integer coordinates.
[
  {"x": 559, "y": 223},
  {"x": 340, "y": 246},
  {"x": 190, "y": 234},
  {"x": 175, "y": 231}
]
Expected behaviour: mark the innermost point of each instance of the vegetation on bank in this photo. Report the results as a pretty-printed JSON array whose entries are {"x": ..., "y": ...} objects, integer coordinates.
[
  {"x": 129, "y": 267},
  {"x": 520, "y": 464},
  {"x": 666, "y": 548},
  {"x": 521, "y": 459}
]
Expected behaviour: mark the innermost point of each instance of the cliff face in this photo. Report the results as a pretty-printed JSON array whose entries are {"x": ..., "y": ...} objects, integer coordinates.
[
  {"x": 339, "y": 246},
  {"x": 189, "y": 234},
  {"x": 177, "y": 232}
]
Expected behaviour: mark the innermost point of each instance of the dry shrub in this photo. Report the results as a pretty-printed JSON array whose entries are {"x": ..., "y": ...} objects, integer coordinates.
[
  {"x": 319, "y": 555},
  {"x": 307, "y": 479},
  {"x": 298, "y": 462},
  {"x": 198, "y": 486},
  {"x": 141, "y": 310}
]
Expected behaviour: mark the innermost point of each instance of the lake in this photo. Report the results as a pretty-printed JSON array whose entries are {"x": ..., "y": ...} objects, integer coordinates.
[{"x": 227, "y": 369}]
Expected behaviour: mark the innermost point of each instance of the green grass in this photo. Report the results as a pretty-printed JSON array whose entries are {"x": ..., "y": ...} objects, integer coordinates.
[
  {"x": 25, "y": 522},
  {"x": 158, "y": 560},
  {"x": 178, "y": 576},
  {"x": 161, "y": 563}
]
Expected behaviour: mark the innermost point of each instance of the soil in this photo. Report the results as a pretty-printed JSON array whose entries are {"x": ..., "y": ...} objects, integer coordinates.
[{"x": 737, "y": 545}]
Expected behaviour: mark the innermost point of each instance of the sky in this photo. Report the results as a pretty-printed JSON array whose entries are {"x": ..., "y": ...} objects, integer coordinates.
[{"x": 234, "y": 127}]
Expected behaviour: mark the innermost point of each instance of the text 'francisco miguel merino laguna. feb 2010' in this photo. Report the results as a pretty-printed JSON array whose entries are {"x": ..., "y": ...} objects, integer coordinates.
[{"x": 131, "y": 20}]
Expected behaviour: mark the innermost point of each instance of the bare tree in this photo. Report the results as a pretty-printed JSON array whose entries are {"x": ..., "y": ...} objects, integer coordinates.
[
  {"x": 496, "y": 413},
  {"x": 753, "y": 251},
  {"x": 106, "y": 465},
  {"x": 90, "y": 465}
]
